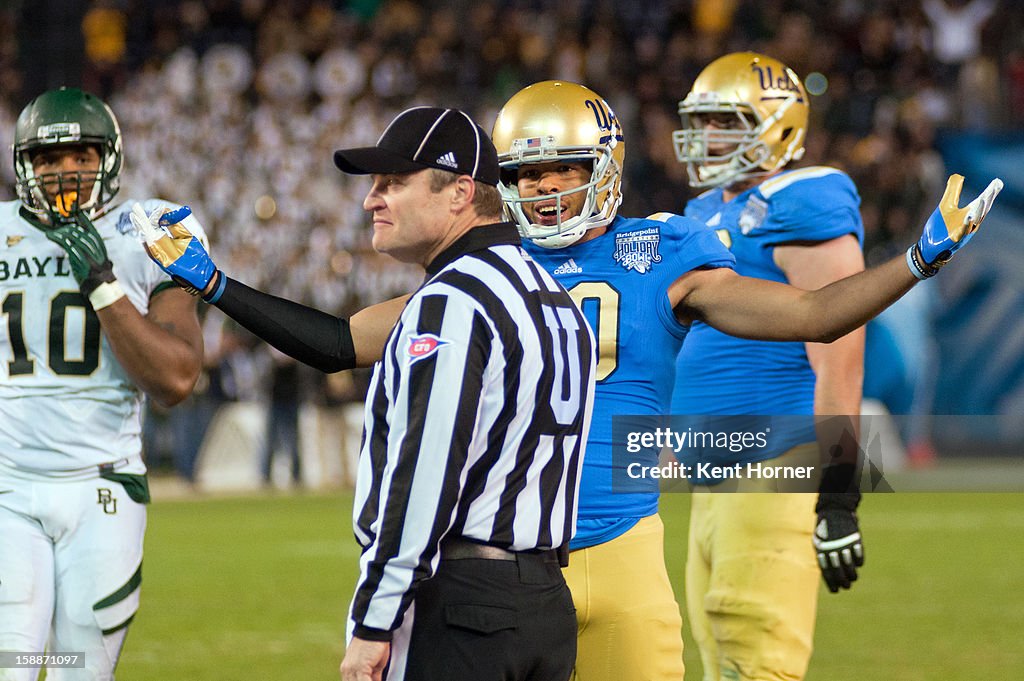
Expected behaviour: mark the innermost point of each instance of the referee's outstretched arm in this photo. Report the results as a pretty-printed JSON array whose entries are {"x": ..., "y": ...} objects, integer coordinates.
[{"x": 321, "y": 340}]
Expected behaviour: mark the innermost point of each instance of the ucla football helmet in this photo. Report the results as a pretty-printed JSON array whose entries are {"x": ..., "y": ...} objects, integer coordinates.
[
  {"x": 758, "y": 108},
  {"x": 560, "y": 121},
  {"x": 62, "y": 117}
]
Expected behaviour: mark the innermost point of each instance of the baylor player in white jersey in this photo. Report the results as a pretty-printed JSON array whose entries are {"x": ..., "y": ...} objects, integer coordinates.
[
  {"x": 54, "y": 348},
  {"x": 88, "y": 325}
]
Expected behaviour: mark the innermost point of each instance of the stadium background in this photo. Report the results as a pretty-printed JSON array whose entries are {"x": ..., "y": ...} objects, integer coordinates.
[{"x": 234, "y": 107}]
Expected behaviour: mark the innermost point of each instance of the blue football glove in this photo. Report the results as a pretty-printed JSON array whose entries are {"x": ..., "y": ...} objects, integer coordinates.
[
  {"x": 949, "y": 228},
  {"x": 171, "y": 245},
  {"x": 837, "y": 541}
]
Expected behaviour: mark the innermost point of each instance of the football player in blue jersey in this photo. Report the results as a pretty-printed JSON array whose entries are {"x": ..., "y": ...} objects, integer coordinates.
[
  {"x": 561, "y": 150},
  {"x": 642, "y": 282},
  {"x": 751, "y": 571}
]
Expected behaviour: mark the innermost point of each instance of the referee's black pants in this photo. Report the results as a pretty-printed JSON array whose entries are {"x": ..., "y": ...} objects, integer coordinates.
[{"x": 482, "y": 619}]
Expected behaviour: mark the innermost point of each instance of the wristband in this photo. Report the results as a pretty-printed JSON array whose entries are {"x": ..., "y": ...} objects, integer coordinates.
[
  {"x": 918, "y": 267},
  {"x": 107, "y": 293},
  {"x": 218, "y": 288}
]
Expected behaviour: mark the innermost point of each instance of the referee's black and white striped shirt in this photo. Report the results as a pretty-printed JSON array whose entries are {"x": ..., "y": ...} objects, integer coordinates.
[{"x": 476, "y": 421}]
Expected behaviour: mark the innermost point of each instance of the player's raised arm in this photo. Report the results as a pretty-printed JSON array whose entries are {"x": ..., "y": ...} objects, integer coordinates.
[
  {"x": 319, "y": 339},
  {"x": 755, "y": 308}
]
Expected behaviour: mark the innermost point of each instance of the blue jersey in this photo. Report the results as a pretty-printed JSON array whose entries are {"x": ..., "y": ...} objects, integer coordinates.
[
  {"x": 721, "y": 374},
  {"x": 621, "y": 281}
]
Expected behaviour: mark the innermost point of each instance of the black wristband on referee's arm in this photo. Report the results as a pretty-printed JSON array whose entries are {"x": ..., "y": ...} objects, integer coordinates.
[{"x": 371, "y": 634}]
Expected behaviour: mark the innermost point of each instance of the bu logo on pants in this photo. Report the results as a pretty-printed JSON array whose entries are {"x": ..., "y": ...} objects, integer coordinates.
[{"x": 107, "y": 499}]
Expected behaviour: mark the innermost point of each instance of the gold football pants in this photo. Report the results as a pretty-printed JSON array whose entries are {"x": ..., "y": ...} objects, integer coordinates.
[
  {"x": 752, "y": 583},
  {"x": 629, "y": 626}
]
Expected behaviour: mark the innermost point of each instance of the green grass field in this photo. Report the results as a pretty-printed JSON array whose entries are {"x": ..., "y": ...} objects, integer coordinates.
[{"x": 257, "y": 588}]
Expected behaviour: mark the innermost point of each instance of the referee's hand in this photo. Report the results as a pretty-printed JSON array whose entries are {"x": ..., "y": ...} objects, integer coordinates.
[{"x": 365, "y": 660}]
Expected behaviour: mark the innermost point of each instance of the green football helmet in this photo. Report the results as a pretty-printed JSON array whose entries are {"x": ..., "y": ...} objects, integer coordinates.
[{"x": 63, "y": 117}]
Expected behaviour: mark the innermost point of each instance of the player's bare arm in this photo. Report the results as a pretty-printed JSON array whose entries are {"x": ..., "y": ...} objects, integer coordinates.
[
  {"x": 754, "y": 308},
  {"x": 371, "y": 326},
  {"x": 839, "y": 372},
  {"x": 162, "y": 352},
  {"x": 757, "y": 308},
  {"x": 164, "y": 363}
]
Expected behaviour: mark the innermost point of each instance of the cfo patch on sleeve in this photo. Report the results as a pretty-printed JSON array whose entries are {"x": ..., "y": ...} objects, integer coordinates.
[{"x": 423, "y": 346}]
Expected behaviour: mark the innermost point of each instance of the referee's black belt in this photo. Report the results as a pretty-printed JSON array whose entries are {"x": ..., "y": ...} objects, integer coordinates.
[{"x": 459, "y": 548}]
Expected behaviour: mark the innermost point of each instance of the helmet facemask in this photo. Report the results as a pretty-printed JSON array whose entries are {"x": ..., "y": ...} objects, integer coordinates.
[
  {"x": 56, "y": 197},
  {"x": 766, "y": 100},
  {"x": 602, "y": 190}
]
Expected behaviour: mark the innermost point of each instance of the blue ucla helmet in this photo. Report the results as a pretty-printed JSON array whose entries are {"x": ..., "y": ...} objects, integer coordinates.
[
  {"x": 760, "y": 110},
  {"x": 63, "y": 117},
  {"x": 558, "y": 120}
]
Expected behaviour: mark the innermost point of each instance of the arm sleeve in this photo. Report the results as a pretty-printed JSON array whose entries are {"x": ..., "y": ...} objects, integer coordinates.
[{"x": 316, "y": 338}]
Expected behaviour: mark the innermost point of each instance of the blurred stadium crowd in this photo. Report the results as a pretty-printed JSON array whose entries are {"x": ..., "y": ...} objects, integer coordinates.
[{"x": 235, "y": 106}]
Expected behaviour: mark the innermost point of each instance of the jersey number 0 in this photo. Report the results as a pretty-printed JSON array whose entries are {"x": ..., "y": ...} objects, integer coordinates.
[{"x": 604, "y": 320}]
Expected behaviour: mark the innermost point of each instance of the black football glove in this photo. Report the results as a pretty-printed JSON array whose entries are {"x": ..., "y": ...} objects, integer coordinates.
[{"x": 837, "y": 540}]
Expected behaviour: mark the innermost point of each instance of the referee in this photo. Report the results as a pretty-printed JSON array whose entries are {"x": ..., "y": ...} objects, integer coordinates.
[{"x": 476, "y": 419}]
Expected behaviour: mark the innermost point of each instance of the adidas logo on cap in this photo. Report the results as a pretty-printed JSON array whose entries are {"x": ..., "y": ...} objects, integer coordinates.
[{"x": 448, "y": 160}]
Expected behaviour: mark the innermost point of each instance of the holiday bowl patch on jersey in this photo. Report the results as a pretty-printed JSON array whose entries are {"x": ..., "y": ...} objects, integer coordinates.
[
  {"x": 638, "y": 250},
  {"x": 423, "y": 346}
]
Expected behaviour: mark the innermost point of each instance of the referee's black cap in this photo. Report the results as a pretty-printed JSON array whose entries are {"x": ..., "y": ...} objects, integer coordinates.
[{"x": 426, "y": 137}]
